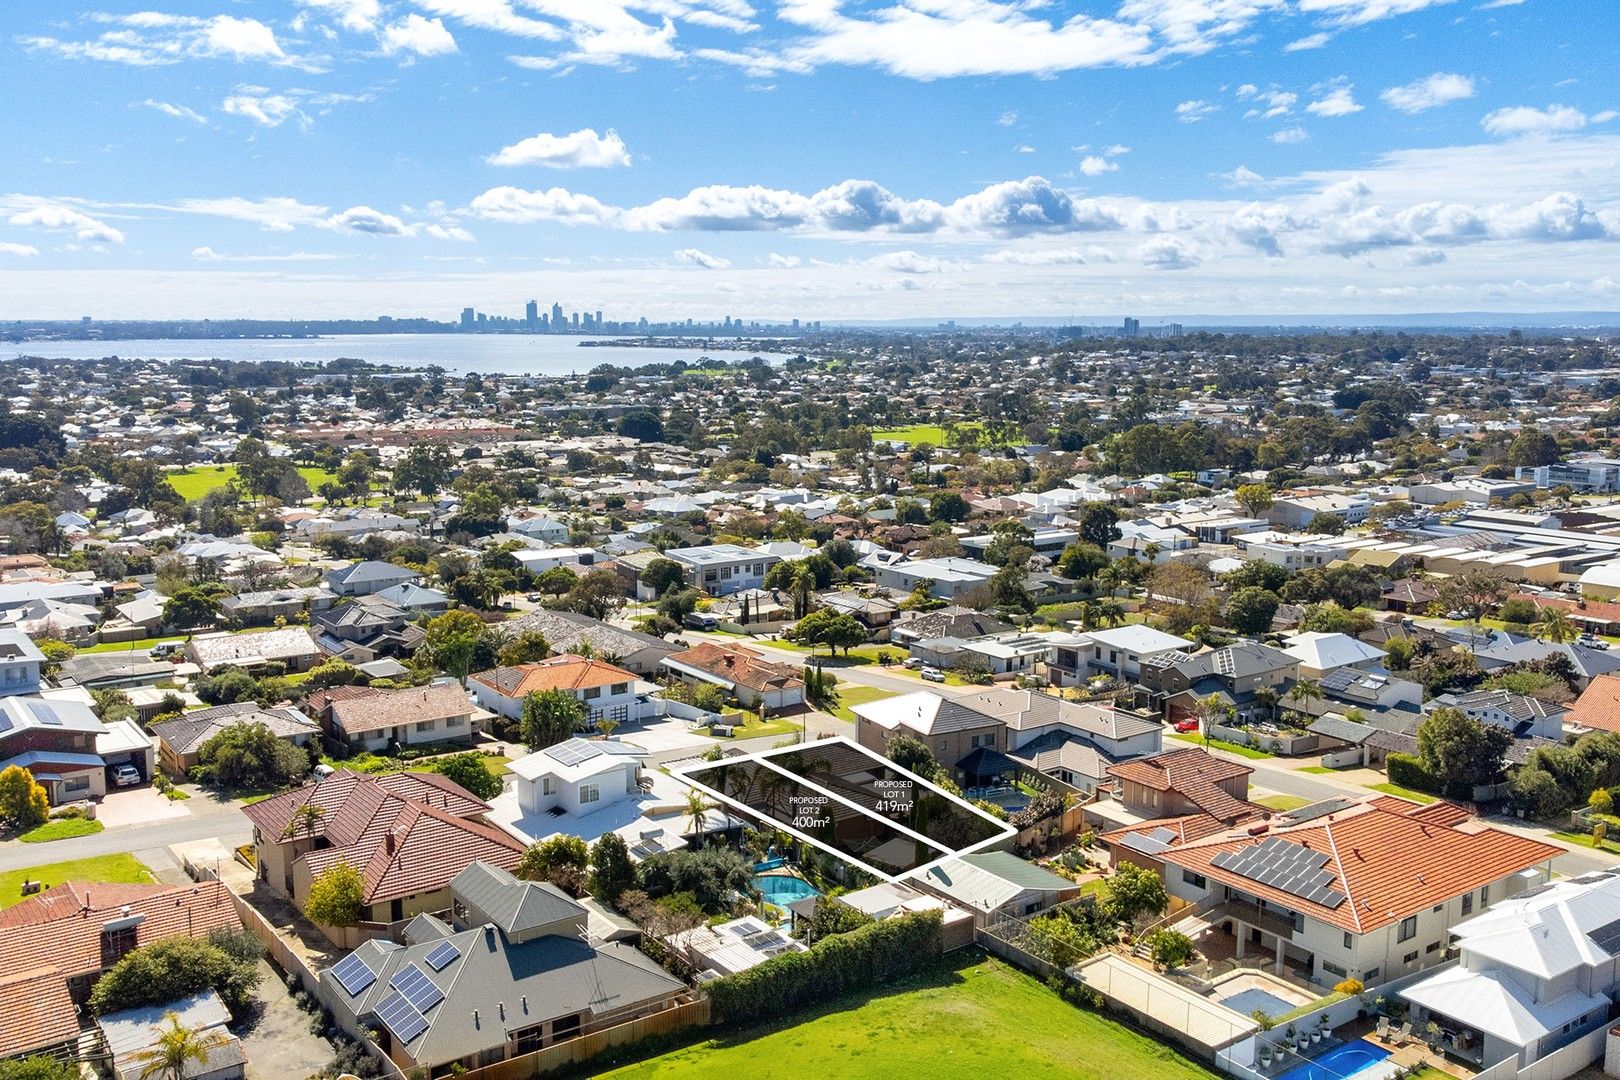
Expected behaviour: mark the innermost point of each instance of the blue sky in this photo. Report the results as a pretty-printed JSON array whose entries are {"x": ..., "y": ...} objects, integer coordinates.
[{"x": 830, "y": 159}]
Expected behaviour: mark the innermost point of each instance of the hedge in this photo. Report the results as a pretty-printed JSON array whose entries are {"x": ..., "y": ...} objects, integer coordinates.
[
  {"x": 1407, "y": 771},
  {"x": 875, "y": 953}
]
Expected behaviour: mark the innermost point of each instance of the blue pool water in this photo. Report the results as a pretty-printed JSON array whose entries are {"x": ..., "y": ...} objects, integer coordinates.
[
  {"x": 784, "y": 889},
  {"x": 1246, "y": 1001},
  {"x": 1339, "y": 1063}
]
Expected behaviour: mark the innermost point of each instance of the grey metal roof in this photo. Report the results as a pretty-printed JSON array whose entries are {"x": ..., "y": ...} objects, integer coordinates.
[
  {"x": 516, "y": 906},
  {"x": 1337, "y": 727}
]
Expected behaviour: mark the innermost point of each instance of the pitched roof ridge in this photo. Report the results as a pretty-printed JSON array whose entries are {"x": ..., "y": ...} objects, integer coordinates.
[{"x": 1338, "y": 863}]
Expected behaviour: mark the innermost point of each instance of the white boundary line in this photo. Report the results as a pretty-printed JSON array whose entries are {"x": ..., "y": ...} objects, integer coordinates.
[{"x": 1004, "y": 831}]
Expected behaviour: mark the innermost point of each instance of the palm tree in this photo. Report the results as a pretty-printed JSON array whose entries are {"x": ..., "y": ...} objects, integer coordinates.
[
  {"x": 607, "y": 725},
  {"x": 1110, "y": 612},
  {"x": 1552, "y": 624},
  {"x": 305, "y": 820},
  {"x": 1086, "y": 612},
  {"x": 802, "y": 584},
  {"x": 1306, "y": 691},
  {"x": 176, "y": 1045},
  {"x": 697, "y": 806}
]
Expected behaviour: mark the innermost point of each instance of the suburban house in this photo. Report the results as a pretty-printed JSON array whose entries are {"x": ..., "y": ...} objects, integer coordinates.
[
  {"x": 367, "y": 627},
  {"x": 571, "y": 632},
  {"x": 181, "y": 739},
  {"x": 113, "y": 671},
  {"x": 372, "y": 718},
  {"x": 1177, "y": 682},
  {"x": 371, "y": 576},
  {"x": 20, "y": 661},
  {"x": 408, "y": 834},
  {"x": 578, "y": 776},
  {"x": 1170, "y": 799},
  {"x": 1598, "y": 707},
  {"x": 741, "y": 672},
  {"x": 1117, "y": 652},
  {"x": 876, "y": 613},
  {"x": 1534, "y": 973},
  {"x": 1526, "y": 717},
  {"x": 729, "y": 947},
  {"x": 130, "y": 1035},
  {"x": 264, "y": 607},
  {"x": 1368, "y": 889},
  {"x": 290, "y": 646},
  {"x": 722, "y": 569},
  {"x": 947, "y": 578},
  {"x": 1318, "y": 654},
  {"x": 608, "y": 691},
  {"x": 56, "y": 742},
  {"x": 946, "y": 622},
  {"x": 511, "y": 971},
  {"x": 55, "y": 945},
  {"x": 991, "y": 883}
]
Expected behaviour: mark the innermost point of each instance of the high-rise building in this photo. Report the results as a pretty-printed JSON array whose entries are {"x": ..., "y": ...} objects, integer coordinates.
[
  {"x": 557, "y": 318},
  {"x": 467, "y": 316},
  {"x": 531, "y": 313},
  {"x": 599, "y": 318},
  {"x": 576, "y": 320},
  {"x": 1133, "y": 327}
]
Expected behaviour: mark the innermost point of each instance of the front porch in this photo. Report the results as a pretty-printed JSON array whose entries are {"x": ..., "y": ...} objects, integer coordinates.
[{"x": 1236, "y": 934}]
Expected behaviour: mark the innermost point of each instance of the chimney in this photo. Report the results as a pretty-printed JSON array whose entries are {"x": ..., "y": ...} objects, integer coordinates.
[{"x": 388, "y": 842}]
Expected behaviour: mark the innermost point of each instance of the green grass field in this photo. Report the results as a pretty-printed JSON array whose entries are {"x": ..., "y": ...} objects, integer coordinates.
[
  {"x": 973, "y": 1017},
  {"x": 1220, "y": 744},
  {"x": 61, "y": 829},
  {"x": 199, "y": 480},
  {"x": 121, "y": 868},
  {"x": 912, "y": 435},
  {"x": 850, "y": 694},
  {"x": 141, "y": 645},
  {"x": 1283, "y": 803},
  {"x": 1405, "y": 793}
]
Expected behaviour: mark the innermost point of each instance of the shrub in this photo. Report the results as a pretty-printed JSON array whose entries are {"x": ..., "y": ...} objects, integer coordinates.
[
  {"x": 874, "y": 954},
  {"x": 336, "y": 897},
  {"x": 1170, "y": 949},
  {"x": 22, "y": 800},
  {"x": 171, "y": 969},
  {"x": 38, "y": 1068},
  {"x": 1407, "y": 771},
  {"x": 1349, "y": 987},
  {"x": 468, "y": 771}
]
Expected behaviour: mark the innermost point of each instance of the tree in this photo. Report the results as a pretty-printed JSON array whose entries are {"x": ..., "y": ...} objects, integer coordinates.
[
  {"x": 1329, "y": 618},
  {"x": 598, "y": 594},
  {"x": 111, "y": 706},
  {"x": 556, "y": 581},
  {"x": 306, "y": 819},
  {"x": 1256, "y": 574},
  {"x": 1474, "y": 591},
  {"x": 1134, "y": 892},
  {"x": 38, "y": 1067},
  {"x": 424, "y": 468},
  {"x": 23, "y": 802},
  {"x": 336, "y": 897},
  {"x": 550, "y": 717},
  {"x": 1081, "y": 559},
  {"x": 1250, "y": 610},
  {"x": 468, "y": 771},
  {"x": 1170, "y": 949},
  {"x": 828, "y": 629},
  {"x": 175, "y": 967},
  {"x": 1460, "y": 751},
  {"x": 913, "y": 755},
  {"x": 1099, "y": 525},
  {"x": 1533, "y": 447},
  {"x": 452, "y": 640},
  {"x": 1305, "y": 691},
  {"x": 1553, "y": 625},
  {"x": 697, "y": 807},
  {"x": 612, "y": 872},
  {"x": 661, "y": 575},
  {"x": 335, "y": 672},
  {"x": 831, "y": 916},
  {"x": 1326, "y": 525},
  {"x": 1009, "y": 588},
  {"x": 561, "y": 860},
  {"x": 1256, "y": 499},
  {"x": 250, "y": 756},
  {"x": 947, "y": 506},
  {"x": 1519, "y": 610},
  {"x": 191, "y": 606},
  {"x": 227, "y": 686},
  {"x": 528, "y": 647},
  {"x": 176, "y": 1047}
]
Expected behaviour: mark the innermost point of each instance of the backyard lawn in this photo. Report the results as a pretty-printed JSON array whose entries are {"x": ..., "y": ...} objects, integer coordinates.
[
  {"x": 1405, "y": 793},
  {"x": 849, "y": 695},
  {"x": 973, "y": 1017},
  {"x": 1283, "y": 803},
  {"x": 121, "y": 868},
  {"x": 199, "y": 480},
  {"x": 1219, "y": 744}
]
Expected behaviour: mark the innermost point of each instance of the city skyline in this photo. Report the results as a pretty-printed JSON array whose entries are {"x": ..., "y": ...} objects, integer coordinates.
[{"x": 830, "y": 159}]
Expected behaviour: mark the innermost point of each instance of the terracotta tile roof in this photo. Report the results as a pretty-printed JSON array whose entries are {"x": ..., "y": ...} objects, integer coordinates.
[
  {"x": 739, "y": 665},
  {"x": 420, "y": 850},
  {"x": 1184, "y": 829},
  {"x": 566, "y": 672},
  {"x": 351, "y": 800},
  {"x": 1389, "y": 858},
  {"x": 1195, "y": 774},
  {"x": 1596, "y": 610},
  {"x": 56, "y": 936},
  {"x": 377, "y": 709},
  {"x": 1598, "y": 707}
]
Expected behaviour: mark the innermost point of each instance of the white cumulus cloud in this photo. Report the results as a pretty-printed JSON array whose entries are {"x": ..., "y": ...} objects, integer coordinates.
[
  {"x": 694, "y": 257},
  {"x": 1431, "y": 92},
  {"x": 1528, "y": 120},
  {"x": 414, "y": 34},
  {"x": 583, "y": 149}
]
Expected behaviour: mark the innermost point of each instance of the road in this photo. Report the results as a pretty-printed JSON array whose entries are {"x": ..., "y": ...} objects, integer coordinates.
[
  {"x": 222, "y": 821},
  {"x": 860, "y": 674}
]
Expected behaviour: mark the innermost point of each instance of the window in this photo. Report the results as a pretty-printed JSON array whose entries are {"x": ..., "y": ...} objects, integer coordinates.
[
  {"x": 1438, "y": 908},
  {"x": 1409, "y": 957},
  {"x": 426, "y": 725},
  {"x": 1484, "y": 896},
  {"x": 1371, "y": 975},
  {"x": 1197, "y": 881},
  {"x": 115, "y": 943},
  {"x": 1432, "y": 947},
  {"x": 1349, "y": 943},
  {"x": 1334, "y": 969},
  {"x": 619, "y": 688},
  {"x": 1408, "y": 929},
  {"x": 548, "y": 785},
  {"x": 589, "y": 793},
  {"x": 592, "y": 693},
  {"x": 1468, "y": 904}
]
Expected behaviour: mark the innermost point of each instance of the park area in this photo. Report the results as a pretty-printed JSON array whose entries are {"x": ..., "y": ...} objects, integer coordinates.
[
  {"x": 966, "y": 1016},
  {"x": 198, "y": 480},
  {"x": 121, "y": 868}
]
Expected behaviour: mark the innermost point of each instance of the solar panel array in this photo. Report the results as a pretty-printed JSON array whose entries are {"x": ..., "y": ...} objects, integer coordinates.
[
  {"x": 1607, "y": 937},
  {"x": 573, "y": 752},
  {"x": 353, "y": 975},
  {"x": 442, "y": 955},
  {"x": 44, "y": 713},
  {"x": 418, "y": 989},
  {"x": 1284, "y": 865},
  {"x": 402, "y": 1018},
  {"x": 1224, "y": 663},
  {"x": 1338, "y": 679}
]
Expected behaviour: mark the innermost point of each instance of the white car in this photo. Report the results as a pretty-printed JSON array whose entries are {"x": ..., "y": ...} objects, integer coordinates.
[
  {"x": 126, "y": 775},
  {"x": 1592, "y": 641},
  {"x": 932, "y": 674}
]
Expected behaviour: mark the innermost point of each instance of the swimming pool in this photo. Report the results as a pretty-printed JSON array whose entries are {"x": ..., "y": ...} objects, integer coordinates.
[
  {"x": 1248, "y": 1001},
  {"x": 784, "y": 889},
  {"x": 1340, "y": 1063}
]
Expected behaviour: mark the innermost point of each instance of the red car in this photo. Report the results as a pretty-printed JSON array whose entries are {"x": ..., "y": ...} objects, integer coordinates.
[{"x": 1186, "y": 725}]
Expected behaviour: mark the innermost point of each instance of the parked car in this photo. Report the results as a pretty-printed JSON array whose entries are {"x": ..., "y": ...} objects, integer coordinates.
[
  {"x": 125, "y": 775},
  {"x": 1592, "y": 641},
  {"x": 1186, "y": 725},
  {"x": 914, "y": 662},
  {"x": 700, "y": 620},
  {"x": 932, "y": 674}
]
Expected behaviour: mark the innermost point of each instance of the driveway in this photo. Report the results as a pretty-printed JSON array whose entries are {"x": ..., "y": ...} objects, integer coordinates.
[
  {"x": 139, "y": 806},
  {"x": 277, "y": 1035}
]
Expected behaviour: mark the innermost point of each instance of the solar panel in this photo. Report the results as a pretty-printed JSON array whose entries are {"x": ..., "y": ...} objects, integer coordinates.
[
  {"x": 353, "y": 975},
  {"x": 1607, "y": 937},
  {"x": 572, "y": 752},
  {"x": 442, "y": 955},
  {"x": 44, "y": 713},
  {"x": 418, "y": 989},
  {"x": 401, "y": 1017},
  {"x": 1285, "y": 866},
  {"x": 1224, "y": 663}
]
